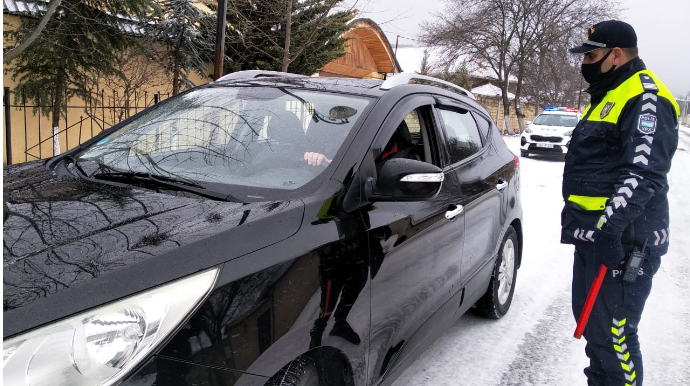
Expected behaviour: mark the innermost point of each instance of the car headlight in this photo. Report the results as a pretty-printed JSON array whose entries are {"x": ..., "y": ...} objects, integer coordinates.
[
  {"x": 98, "y": 347},
  {"x": 568, "y": 133},
  {"x": 528, "y": 130}
]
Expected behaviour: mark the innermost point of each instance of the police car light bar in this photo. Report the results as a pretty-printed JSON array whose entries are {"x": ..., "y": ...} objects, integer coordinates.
[{"x": 566, "y": 109}]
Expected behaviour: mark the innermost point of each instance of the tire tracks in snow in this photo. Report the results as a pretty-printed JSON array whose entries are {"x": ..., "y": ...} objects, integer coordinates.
[{"x": 545, "y": 348}]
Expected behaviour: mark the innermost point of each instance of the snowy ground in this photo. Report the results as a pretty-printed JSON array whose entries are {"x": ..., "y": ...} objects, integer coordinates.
[{"x": 534, "y": 345}]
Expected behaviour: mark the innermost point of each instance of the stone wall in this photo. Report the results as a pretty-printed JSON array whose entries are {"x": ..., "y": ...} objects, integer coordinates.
[{"x": 495, "y": 107}]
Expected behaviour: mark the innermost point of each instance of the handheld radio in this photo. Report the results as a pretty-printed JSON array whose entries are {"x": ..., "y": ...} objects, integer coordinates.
[{"x": 635, "y": 260}]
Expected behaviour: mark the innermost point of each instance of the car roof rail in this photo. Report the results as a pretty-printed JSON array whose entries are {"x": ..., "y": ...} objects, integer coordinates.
[
  {"x": 405, "y": 78},
  {"x": 251, "y": 74}
]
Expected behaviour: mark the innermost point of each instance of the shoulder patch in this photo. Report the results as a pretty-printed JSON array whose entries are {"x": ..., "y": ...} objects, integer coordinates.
[
  {"x": 606, "y": 109},
  {"x": 648, "y": 83},
  {"x": 647, "y": 124}
]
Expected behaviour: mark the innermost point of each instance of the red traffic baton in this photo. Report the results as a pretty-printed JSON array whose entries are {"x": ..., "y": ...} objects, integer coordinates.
[{"x": 591, "y": 297}]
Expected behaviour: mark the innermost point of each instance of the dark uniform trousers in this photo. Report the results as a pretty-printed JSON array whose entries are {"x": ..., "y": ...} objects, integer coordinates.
[{"x": 612, "y": 342}]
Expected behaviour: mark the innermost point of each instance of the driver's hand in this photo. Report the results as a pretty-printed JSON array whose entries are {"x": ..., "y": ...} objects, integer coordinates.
[{"x": 315, "y": 159}]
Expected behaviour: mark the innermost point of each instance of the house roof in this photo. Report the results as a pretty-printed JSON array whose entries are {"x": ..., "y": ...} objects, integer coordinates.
[
  {"x": 368, "y": 52},
  {"x": 491, "y": 91},
  {"x": 25, "y": 8},
  {"x": 377, "y": 42},
  {"x": 35, "y": 8}
]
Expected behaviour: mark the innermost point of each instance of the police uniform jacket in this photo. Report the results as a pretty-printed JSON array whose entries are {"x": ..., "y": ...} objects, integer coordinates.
[{"x": 618, "y": 158}]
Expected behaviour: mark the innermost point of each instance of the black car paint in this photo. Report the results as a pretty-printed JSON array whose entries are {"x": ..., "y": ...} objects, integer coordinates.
[
  {"x": 65, "y": 240},
  {"x": 276, "y": 258}
]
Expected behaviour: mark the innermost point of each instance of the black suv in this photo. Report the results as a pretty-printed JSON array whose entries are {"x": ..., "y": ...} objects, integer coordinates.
[{"x": 266, "y": 228}]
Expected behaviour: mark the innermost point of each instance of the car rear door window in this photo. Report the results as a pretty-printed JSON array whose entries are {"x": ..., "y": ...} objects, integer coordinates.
[
  {"x": 462, "y": 133},
  {"x": 483, "y": 126}
]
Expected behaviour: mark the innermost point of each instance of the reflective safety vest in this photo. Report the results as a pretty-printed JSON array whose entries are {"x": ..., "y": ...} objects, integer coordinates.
[
  {"x": 616, "y": 165},
  {"x": 610, "y": 108}
]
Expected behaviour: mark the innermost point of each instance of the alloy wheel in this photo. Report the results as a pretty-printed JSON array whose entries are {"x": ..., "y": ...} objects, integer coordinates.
[{"x": 506, "y": 271}]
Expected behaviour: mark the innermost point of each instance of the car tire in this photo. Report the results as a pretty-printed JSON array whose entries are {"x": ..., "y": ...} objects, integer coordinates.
[
  {"x": 524, "y": 154},
  {"x": 300, "y": 372},
  {"x": 496, "y": 301}
]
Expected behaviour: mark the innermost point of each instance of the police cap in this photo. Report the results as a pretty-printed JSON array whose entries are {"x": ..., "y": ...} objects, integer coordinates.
[{"x": 607, "y": 34}]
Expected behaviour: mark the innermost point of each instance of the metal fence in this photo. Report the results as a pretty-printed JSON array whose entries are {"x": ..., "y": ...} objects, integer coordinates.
[{"x": 29, "y": 134}]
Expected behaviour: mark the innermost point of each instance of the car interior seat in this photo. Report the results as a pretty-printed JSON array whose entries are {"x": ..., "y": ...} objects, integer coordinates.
[
  {"x": 284, "y": 127},
  {"x": 401, "y": 145},
  {"x": 284, "y": 139}
]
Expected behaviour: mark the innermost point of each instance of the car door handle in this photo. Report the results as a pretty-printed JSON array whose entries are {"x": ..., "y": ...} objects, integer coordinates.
[
  {"x": 502, "y": 184},
  {"x": 453, "y": 211}
]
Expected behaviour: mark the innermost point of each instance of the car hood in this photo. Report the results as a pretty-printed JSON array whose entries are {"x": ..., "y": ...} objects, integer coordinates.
[
  {"x": 557, "y": 130},
  {"x": 69, "y": 244}
]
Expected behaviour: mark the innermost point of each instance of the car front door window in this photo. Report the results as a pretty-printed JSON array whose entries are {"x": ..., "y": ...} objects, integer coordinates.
[{"x": 462, "y": 134}]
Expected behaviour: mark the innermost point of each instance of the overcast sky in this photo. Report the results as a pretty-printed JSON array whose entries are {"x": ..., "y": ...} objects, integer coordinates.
[{"x": 662, "y": 26}]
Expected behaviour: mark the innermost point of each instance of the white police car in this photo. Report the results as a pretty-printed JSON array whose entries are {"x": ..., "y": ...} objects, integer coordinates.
[{"x": 550, "y": 132}]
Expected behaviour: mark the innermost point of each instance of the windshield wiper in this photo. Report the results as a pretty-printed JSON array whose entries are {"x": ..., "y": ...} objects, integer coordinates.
[
  {"x": 129, "y": 176},
  {"x": 150, "y": 180}
]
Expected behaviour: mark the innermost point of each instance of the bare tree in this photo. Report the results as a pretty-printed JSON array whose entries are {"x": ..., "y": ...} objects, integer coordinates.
[
  {"x": 545, "y": 29},
  {"x": 556, "y": 80},
  {"x": 126, "y": 91},
  {"x": 480, "y": 30},
  {"x": 507, "y": 36}
]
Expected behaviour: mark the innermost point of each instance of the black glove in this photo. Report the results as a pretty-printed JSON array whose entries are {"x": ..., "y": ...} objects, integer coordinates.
[{"x": 608, "y": 249}]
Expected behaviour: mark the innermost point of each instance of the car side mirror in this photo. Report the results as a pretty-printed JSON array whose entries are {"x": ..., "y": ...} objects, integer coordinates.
[
  {"x": 401, "y": 179},
  {"x": 528, "y": 122}
]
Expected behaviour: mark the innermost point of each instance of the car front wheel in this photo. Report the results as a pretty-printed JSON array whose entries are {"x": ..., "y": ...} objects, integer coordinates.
[
  {"x": 300, "y": 372},
  {"x": 496, "y": 301}
]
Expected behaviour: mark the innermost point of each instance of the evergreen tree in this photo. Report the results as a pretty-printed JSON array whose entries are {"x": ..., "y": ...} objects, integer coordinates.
[
  {"x": 425, "y": 67},
  {"x": 459, "y": 76},
  {"x": 188, "y": 36},
  {"x": 79, "y": 41},
  {"x": 257, "y": 36}
]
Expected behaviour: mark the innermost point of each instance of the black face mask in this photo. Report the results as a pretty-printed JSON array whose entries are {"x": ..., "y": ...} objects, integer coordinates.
[{"x": 592, "y": 72}]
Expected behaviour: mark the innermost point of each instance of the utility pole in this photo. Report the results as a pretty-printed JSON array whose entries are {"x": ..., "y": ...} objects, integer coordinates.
[
  {"x": 220, "y": 39},
  {"x": 8, "y": 126}
]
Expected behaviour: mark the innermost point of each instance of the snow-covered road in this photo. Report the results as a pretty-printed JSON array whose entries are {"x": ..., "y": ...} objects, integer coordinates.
[{"x": 534, "y": 344}]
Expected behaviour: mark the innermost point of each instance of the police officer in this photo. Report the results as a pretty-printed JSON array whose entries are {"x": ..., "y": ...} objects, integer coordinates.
[{"x": 614, "y": 187}]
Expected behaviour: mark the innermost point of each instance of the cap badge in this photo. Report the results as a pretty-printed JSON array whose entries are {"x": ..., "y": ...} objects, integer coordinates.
[{"x": 591, "y": 31}]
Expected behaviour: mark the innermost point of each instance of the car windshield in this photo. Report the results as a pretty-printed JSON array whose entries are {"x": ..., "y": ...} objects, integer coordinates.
[
  {"x": 556, "y": 120},
  {"x": 247, "y": 136}
]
